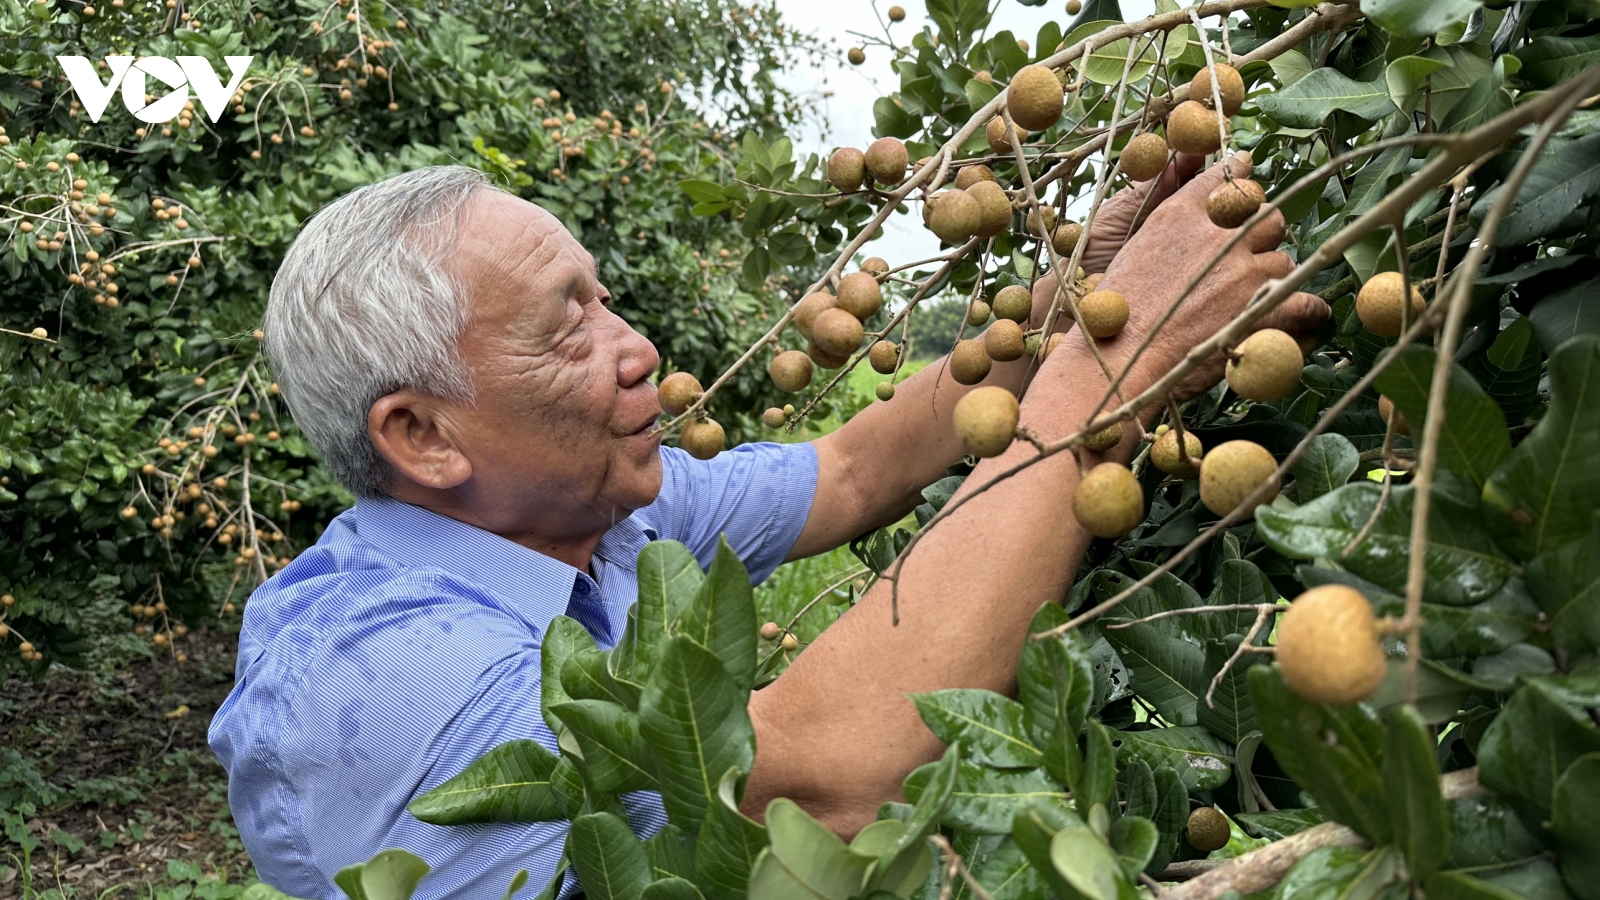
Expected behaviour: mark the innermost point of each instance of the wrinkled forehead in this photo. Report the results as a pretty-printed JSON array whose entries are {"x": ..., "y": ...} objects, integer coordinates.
[{"x": 508, "y": 248}]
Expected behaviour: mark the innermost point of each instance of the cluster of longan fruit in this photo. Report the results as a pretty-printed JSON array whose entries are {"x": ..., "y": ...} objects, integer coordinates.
[{"x": 25, "y": 647}]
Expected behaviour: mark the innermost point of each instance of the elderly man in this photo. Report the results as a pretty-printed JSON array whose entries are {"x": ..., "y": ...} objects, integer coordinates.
[{"x": 450, "y": 351}]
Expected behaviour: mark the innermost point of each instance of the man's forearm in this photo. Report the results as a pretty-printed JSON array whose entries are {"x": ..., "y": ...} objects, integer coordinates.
[{"x": 835, "y": 732}]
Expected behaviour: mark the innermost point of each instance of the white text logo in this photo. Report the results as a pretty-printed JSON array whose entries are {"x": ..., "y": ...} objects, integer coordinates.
[{"x": 185, "y": 74}]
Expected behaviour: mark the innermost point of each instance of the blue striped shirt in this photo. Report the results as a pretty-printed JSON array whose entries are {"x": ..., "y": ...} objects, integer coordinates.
[{"x": 404, "y": 645}]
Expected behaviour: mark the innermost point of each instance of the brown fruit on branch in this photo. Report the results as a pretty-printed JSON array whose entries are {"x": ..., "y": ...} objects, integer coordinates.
[
  {"x": 875, "y": 265},
  {"x": 1065, "y": 238},
  {"x": 1048, "y": 347},
  {"x": 1164, "y": 454},
  {"x": 1108, "y": 502},
  {"x": 1145, "y": 157},
  {"x": 702, "y": 438},
  {"x": 825, "y": 359},
  {"x": 1328, "y": 648},
  {"x": 1103, "y": 313},
  {"x": 1229, "y": 85},
  {"x": 677, "y": 392},
  {"x": 859, "y": 295},
  {"x": 1379, "y": 307},
  {"x": 1091, "y": 283},
  {"x": 847, "y": 169},
  {"x": 837, "y": 332},
  {"x": 1074, "y": 7},
  {"x": 1105, "y": 438},
  {"x": 986, "y": 421},
  {"x": 967, "y": 176},
  {"x": 857, "y": 56},
  {"x": 999, "y": 141},
  {"x": 774, "y": 418},
  {"x": 977, "y": 313},
  {"x": 1192, "y": 129},
  {"x": 1233, "y": 471},
  {"x": 770, "y": 631},
  {"x": 952, "y": 215},
  {"x": 1386, "y": 411},
  {"x": 994, "y": 208},
  {"x": 886, "y": 161},
  {"x": 1208, "y": 829},
  {"x": 1034, "y": 98},
  {"x": 1003, "y": 341},
  {"x": 806, "y": 311},
  {"x": 1044, "y": 214},
  {"x": 897, "y": 13},
  {"x": 969, "y": 362},
  {"x": 791, "y": 371},
  {"x": 883, "y": 356},
  {"x": 1014, "y": 302},
  {"x": 1268, "y": 366},
  {"x": 1232, "y": 203},
  {"x": 885, "y": 391}
]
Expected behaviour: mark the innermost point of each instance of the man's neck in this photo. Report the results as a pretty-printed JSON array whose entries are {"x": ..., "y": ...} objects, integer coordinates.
[{"x": 575, "y": 547}]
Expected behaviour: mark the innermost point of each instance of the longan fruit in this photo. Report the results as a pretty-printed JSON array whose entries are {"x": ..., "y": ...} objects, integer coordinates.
[
  {"x": 986, "y": 420},
  {"x": 790, "y": 642},
  {"x": 883, "y": 357},
  {"x": 847, "y": 168},
  {"x": 885, "y": 391},
  {"x": 969, "y": 362},
  {"x": 1065, "y": 238},
  {"x": 1208, "y": 828},
  {"x": 859, "y": 295},
  {"x": 1192, "y": 129},
  {"x": 1091, "y": 283},
  {"x": 886, "y": 161},
  {"x": 702, "y": 438},
  {"x": 967, "y": 176},
  {"x": 1378, "y": 304},
  {"x": 1328, "y": 647},
  {"x": 953, "y": 215},
  {"x": 1003, "y": 341},
  {"x": 999, "y": 141},
  {"x": 1386, "y": 411},
  {"x": 1267, "y": 366},
  {"x": 805, "y": 312},
  {"x": 978, "y": 313},
  {"x": 1233, "y": 471},
  {"x": 994, "y": 208},
  {"x": 837, "y": 332},
  {"x": 857, "y": 56},
  {"x": 897, "y": 13},
  {"x": 875, "y": 266},
  {"x": 770, "y": 631},
  {"x": 678, "y": 392},
  {"x": 1229, "y": 85},
  {"x": 1103, "y": 314},
  {"x": 1048, "y": 347},
  {"x": 1108, "y": 502},
  {"x": 1232, "y": 203},
  {"x": 1105, "y": 438},
  {"x": 1034, "y": 98},
  {"x": 1145, "y": 157},
  {"x": 1164, "y": 453},
  {"x": 825, "y": 359},
  {"x": 1074, "y": 7},
  {"x": 791, "y": 371},
  {"x": 1043, "y": 214},
  {"x": 1014, "y": 302}
]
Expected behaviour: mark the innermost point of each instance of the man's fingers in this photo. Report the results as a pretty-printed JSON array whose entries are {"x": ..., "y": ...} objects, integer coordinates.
[
  {"x": 1301, "y": 312},
  {"x": 1266, "y": 235},
  {"x": 1197, "y": 190},
  {"x": 1275, "y": 265}
]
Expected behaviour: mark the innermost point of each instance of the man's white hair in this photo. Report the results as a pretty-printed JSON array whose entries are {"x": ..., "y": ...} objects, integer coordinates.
[{"x": 362, "y": 307}]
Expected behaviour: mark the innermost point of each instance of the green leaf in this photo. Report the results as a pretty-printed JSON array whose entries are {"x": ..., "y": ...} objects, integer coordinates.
[
  {"x": 1344, "y": 873},
  {"x": 1198, "y": 757},
  {"x": 1417, "y": 814},
  {"x": 1232, "y": 714},
  {"x": 1575, "y": 823},
  {"x": 1474, "y": 439},
  {"x": 1550, "y": 59},
  {"x": 1034, "y": 828},
  {"x": 669, "y": 580},
  {"x": 1483, "y": 100},
  {"x": 1239, "y": 582},
  {"x": 702, "y": 191},
  {"x": 1509, "y": 369},
  {"x": 1084, "y": 861},
  {"x": 1566, "y": 176},
  {"x": 722, "y": 618},
  {"x": 1461, "y": 886},
  {"x": 1449, "y": 631},
  {"x": 1134, "y": 838},
  {"x": 511, "y": 783},
  {"x": 1279, "y": 824},
  {"x": 672, "y": 851},
  {"x": 804, "y": 860},
  {"x": 1331, "y": 753},
  {"x": 985, "y": 800},
  {"x": 1055, "y": 679},
  {"x": 1007, "y": 874},
  {"x": 1095, "y": 782},
  {"x": 671, "y": 889},
  {"x": 1106, "y": 62},
  {"x": 608, "y": 737},
  {"x": 610, "y": 860},
  {"x": 1485, "y": 831},
  {"x": 1310, "y": 100},
  {"x": 1328, "y": 463},
  {"x": 1417, "y": 17},
  {"x": 564, "y": 638},
  {"x": 1405, "y": 77},
  {"x": 1565, "y": 580},
  {"x": 728, "y": 845},
  {"x": 989, "y": 726},
  {"x": 891, "y": 119},
  {"x": 1566, "y": 313},
  {"x": 389, "y": 875},
  {"x": 1544, "y": 494},
  {"x": 1463, "y": 566},
  {"x": 1530, "y": 744},
  {"x": 891, "y": 870},
  {"x": 1168, "y": 669},
  {"x": 693, "y": 717}
]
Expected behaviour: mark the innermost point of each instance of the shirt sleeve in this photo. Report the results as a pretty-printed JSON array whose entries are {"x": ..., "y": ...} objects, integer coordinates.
[{"x": 757, "y": 495}]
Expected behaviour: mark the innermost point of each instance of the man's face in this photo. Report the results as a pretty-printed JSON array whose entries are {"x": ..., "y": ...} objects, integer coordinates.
[{"x": 560, "y": 429}]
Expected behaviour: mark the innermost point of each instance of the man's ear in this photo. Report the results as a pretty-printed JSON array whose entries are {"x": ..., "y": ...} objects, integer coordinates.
[{"x": 411, "y": 431}]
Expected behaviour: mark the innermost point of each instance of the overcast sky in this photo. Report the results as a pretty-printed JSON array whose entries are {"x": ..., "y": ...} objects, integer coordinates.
[{"x": 848, "y": 111}]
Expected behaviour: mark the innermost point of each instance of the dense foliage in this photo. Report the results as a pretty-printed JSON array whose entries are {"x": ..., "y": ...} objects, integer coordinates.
[{"x": 146, "y": 467}]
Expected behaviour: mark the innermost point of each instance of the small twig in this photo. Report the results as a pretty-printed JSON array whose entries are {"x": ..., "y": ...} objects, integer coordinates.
[{"x": 1245, "y": 646}]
